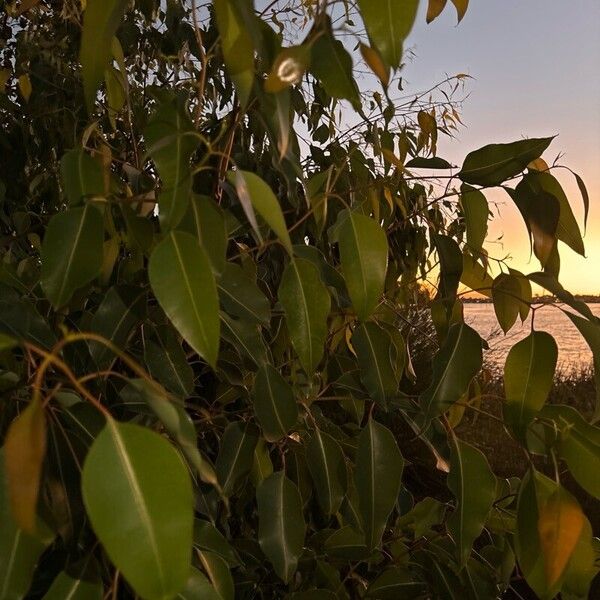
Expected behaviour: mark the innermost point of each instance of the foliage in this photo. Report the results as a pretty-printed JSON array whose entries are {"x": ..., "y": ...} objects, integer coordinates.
[{"x": 209, "y": 315}]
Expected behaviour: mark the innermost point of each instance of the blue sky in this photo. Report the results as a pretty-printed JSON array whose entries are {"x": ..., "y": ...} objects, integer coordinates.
[{"x": 536, "y": 70}]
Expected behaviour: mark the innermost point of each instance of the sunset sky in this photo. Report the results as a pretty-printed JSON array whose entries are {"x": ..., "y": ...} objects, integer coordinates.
[{"x": 536, "y": 70}]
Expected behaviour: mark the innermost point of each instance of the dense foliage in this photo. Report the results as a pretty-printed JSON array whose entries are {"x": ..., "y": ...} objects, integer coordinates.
[{"x": 211, "y": 321}]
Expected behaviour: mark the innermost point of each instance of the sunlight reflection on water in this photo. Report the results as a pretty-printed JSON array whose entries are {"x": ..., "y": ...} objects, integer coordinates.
[{"x": 573, "y": 352}]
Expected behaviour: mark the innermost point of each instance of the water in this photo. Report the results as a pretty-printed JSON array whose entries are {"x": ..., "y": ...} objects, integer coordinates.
[{"x": 573, "y": 352}]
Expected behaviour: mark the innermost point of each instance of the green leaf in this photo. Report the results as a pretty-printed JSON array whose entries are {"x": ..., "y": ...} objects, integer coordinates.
[
  {"x": 167, "y": 363},
  {"x": 376, "y": 354},
  {"x": 198, "y": 586},
  {"x": 328, "y": 470},
  {"x": 219, "y": 574},
  {"x": 241, "y": 297},
  {"x": 536, "y": 184},
  {"x": 506, "y": 294},
  {"x": 495, "y": 163},
  {"x": 528, "y": 376},
  {"x": 432, "y": 162},
  {"x": 347, "y": 543},
  {"x": 306, "y": 303},
  {"x": 24, "y": 452},
  {"x": 19, "y": 551},
  {"x": 388, "y": 23},
  {"x": 206, "y": 220},
  {"x": 170, "y": 141},
  {"x": 183, "y": 282},
  {"x": 82, "y": 176},
  {"x": 332, "y": 66},
  {"x": 274, "y": 403},
  {"x": 377, "y": 476},
  {"x": 255, "y": 193},
  {"x": 138, "y": 496},
  {"x": 451, "y": 264},
  {"x": 208, "y": 537},
  {"x": 71, "y": 252},
  {"x": 176, "y": 421},
  {"x": 578, "y": 445},
  {"x": 474, "y": 487},
  {"x": 590, "y": 330},
  {"x": 236, "y": 45},
  {"x": 281, "y": 526},
  {"x": 475, "y": 276},
  {"x": 454, "y": 366},
  {"x": 476, "y": 212},
  {"x": 67, "y": 587},
  {"x": 236, "y": 454},
  {"x": 395, "y": 583},
  {"x": 101, "y": 20},
  {"x": 364, "y": 256},
  {"x": 585, "y": 197},
  {"x": 246, "y": 338},
  {"x": 119, "y": 312}
]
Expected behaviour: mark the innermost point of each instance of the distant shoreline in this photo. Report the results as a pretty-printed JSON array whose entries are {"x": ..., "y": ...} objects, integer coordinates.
[{"x": 536, "y": 300}]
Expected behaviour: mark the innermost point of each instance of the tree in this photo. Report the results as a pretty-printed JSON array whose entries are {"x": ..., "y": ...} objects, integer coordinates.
[{"x": 205, "y": 336}]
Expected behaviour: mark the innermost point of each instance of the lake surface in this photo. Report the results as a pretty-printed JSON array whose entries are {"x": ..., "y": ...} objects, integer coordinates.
[{"x": 573, "y": 352}]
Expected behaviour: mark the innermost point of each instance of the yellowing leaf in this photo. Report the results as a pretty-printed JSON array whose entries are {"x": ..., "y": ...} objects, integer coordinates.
[
  {"x": 434, "y": 9},
  {"x": 375, "y": 63},
  {"x": 560, "y": 524},
  {"x": 539, "y": 164},
  {"x": 25, "y": 87},
  {"x": 24, "y": 451},
  {"x": 461, "y": 8}
]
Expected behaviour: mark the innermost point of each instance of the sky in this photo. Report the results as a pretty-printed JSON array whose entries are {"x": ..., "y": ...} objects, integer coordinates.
[{"x": 536, "y": 72}]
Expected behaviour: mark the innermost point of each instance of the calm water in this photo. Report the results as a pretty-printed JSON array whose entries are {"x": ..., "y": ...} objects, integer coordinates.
[{"x": 572, "y": 349}]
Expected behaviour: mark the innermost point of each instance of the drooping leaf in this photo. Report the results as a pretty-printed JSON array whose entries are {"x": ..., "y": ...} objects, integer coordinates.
[
  {"x": 328, "y": 470},
  {"x": 170, "y": 142},
  {"x": 115, "y": 318},
  {"x": 474, "y": 487},
  {"x": 364, "y": 255},
  {"x": 375, "y": 63},
  {"x": 71, "y": 252},
  {"x": 138, "y": 496},
  {"x": 219, "y": 574},
  {"x": 535, "y": 184},
  {"x": 585, "y": 197},
  {"x": 183, "y": 282},
  {"x": 82, "y": 176},
  {"x": 306, "y": 303},
  {"x": 235, "y": 455},
  {"x": 377, "y": 477},
  {"x": 506, "y": 294},
  {"x": 560, "y": 524},
  {"x": 101, "y": 20},
  {"x": 237, "y": 46},
  {"x": 476, "y": 212},
  {"x": 528, "y": 376},
  {"x": 281, "y": 526},
  {"x": 526, "y": 294},
  {"x": 388, "y": 23},
  {"x": 331, "y": 64},
  {"x": 246, "y": 339},
  {"x": 434, "y": 9},
  {"x": 495, "y": 163},
  {"x": 24, "y": 451},
  {"x": 461, "y": 8},
  {"x": 255, "y": 192},
  {"x": 454, "y": 366},
  {"x": 68, "y": 587},
  {"x": 274, "y": 403},
  {"x": 375, "y": 353},
  {"x": 176, "y": 421},
  {"x": 451, "y": 264},
  {"x": 241, "y": 297},
  {"x": 475, "y": 276},
  {"x": 590, "y": 331},
  {"x": 166, "y": 361},
  {"x": 578, "y": 445},
  {"x": 19, "y": 551},
  {"x": 206, "y": 221}
]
